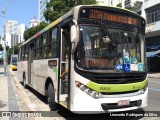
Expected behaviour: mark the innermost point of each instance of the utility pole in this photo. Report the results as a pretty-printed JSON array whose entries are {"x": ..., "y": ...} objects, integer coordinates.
[{"x": 4, "y": 49}]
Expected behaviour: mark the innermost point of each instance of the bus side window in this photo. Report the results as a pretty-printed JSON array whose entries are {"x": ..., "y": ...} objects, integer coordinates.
[
  {"x": 44, "y": 45},
  {"x": 49, "y": 52},
  {"x": 35, "y": 50},
  {"x": 26, "y": 55},
  {"x": 40, "y": 46},
  {"x": 23, "y": 53},
  {"x": 19, "y": 55},
  {"x": 54, "y": 43}
]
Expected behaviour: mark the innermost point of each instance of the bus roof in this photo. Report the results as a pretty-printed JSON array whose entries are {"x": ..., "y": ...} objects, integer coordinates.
[{"x": 74, "y": 12}]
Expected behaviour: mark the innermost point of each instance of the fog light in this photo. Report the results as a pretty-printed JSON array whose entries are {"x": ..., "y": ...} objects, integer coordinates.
[
  {"x": 93, "y": 93},
  {"x": 89, "y": 91},
  {"x": 96, "y": 95},
  {"x": 83, "y": 87},
  {"x": 142, "y": 91}
]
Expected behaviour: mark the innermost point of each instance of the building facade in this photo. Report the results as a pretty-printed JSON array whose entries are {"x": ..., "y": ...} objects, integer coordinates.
[
  {"x": 150, "y": 10},
  {"x": 34, "y": 22},
  {"x": 41, "y": 9},
  {"x": 14, "y": 33},
  {"x": 101, "y": 2}
]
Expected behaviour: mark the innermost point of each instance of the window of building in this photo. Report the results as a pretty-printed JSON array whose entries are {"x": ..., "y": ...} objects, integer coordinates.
[
  {"x": 146, "y": 0},
  {"x": 153, "y": 14}
]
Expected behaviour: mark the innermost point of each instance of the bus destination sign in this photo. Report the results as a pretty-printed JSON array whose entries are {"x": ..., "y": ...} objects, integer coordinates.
[{"x": 101, "y": 14}]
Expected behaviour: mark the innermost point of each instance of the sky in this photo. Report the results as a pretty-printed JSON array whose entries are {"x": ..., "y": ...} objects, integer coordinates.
[{"x": 19, "y": 10}]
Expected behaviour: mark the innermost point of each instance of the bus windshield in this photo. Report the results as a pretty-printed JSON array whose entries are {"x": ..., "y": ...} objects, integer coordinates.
[{"x": 97, "y": 51}]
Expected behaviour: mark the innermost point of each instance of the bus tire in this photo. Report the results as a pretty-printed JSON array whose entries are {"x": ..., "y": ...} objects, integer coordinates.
[
  {"x": 51, "y": 98},
  {"x": 24, "y": 81}
]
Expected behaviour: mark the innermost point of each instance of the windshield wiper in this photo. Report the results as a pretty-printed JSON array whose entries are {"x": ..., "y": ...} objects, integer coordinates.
[
  {"x": 107, "y": 32},
  {"x": 135, "y": 34}
]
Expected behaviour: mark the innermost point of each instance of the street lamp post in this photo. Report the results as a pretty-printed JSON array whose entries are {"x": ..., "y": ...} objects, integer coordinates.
[{"x": 4, "y": 49}]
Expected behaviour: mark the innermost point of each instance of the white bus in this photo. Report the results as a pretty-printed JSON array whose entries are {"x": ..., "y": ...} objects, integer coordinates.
[{"x": 92, "y": 59}]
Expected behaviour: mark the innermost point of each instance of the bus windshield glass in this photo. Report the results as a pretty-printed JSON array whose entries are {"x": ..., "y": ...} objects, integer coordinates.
[{"x": 96, "y": 50}]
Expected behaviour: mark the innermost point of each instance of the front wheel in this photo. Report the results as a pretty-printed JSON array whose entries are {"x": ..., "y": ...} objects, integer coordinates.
[
  {"x": 24, "y": 81},
  {"x": 51, "y": 98}
]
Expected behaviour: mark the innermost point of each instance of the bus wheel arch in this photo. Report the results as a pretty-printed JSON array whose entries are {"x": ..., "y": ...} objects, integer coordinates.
[
  {"x": 49, "y": 92},
  {"x": 48, "y": 81}
]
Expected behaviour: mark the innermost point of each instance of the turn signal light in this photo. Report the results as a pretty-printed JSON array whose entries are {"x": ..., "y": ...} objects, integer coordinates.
[{"x": 87, "y": 90}]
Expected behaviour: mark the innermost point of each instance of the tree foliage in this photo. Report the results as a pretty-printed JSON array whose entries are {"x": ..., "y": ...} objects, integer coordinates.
[
  {"x": 56, "y": 8},
  {"x": 10, "y": 50},
  {"x": 1, "y": 48},
  {"x": 33, "y": 30}
]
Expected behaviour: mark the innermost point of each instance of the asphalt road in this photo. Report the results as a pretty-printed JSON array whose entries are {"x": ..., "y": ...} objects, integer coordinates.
[
  {"x": 153, "y": 95},
  {"x": 30, "y": 100}
]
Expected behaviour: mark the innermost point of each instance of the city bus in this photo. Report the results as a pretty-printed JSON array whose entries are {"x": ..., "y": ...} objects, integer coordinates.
[
  {"x": 13, "y": 62},
  {"x": 90, "y": 60}
]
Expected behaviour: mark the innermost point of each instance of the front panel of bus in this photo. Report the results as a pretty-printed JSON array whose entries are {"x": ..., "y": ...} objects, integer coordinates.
[{"x": 110, "y": 69}]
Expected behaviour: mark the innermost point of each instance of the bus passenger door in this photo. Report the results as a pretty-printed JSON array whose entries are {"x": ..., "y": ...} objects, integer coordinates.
[
  {"x": 64, "y": 69},
  {"x": 30, "y": 63}
]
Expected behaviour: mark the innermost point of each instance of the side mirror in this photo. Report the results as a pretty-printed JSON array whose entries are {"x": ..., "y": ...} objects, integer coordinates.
[{"x": 74, "y": 37}]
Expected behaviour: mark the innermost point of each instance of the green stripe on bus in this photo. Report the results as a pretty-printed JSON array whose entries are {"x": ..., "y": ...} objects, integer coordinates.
[
  {"x": 116, "y": 87},
  {"x": 56, "y": 72}
]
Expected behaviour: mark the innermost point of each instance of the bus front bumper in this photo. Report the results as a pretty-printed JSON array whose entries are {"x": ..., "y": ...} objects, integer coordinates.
[{"x": 83, "y": 103}]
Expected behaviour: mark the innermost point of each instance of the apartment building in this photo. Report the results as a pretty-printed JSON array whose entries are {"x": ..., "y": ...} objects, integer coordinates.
[
  {"x": 34, "y": 22},
  {"x": 150, "y": 10},
  {"x": 41, "y": 9},
  {"x": 14, "y": 33}
]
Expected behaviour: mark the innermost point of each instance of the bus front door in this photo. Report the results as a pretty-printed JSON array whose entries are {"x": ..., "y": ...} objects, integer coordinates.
[{"x": 64, "y": 70}]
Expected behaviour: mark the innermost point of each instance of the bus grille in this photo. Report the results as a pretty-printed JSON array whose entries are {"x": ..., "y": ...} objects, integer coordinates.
[
  {"x": 118, "y": 93},
  {"x": 118, "y": 79}
]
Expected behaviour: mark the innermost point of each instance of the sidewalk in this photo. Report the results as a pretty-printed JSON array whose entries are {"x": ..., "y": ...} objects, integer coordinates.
[
  {"x": 154, "y": 75},
  {"x": 3, "y": 91}
]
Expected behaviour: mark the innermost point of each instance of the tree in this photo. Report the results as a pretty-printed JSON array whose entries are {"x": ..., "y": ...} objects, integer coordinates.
[
  {"x": 33, "y": 30},
  {"x": 56, "y": 8},
  {"x": 1, "y": 48},
  {"x": 10, "y": 50}
]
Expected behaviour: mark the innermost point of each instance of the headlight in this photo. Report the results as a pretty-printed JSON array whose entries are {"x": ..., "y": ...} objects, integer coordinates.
[
  {"x": 87, "y": 90},
  {"x": 142, "y": 91}
]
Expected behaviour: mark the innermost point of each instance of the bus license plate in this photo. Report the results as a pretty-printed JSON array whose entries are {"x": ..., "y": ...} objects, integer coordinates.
[{"x": 123, "y": 102}]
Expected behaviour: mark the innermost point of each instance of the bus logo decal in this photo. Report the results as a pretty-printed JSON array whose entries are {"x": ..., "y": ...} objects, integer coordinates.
[
  {"x": 119, "y": 67},
  {"x": 126, "y": 67},
  {"x": 56, "y": 72},
  {"x": 140, "y": 66}
]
